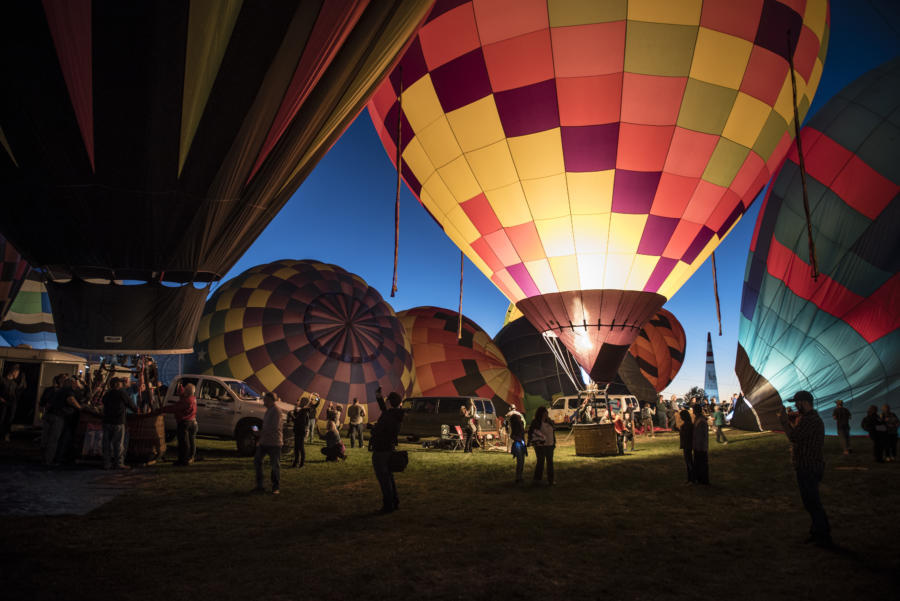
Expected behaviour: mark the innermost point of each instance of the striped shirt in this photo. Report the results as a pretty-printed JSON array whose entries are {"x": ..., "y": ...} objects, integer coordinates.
[{"x": 807, "y": 440}]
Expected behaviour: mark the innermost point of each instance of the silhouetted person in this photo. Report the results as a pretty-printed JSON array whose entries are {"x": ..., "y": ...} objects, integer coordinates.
[
  {"x": 271, "y": 439},
  {"x": 872, "y": 424},
  {"x": 10, "y": 387},
  {"x": 356, "y": 413},
  {"x": 543, "y": 439},
  {"x": 891, "y": 423},
  {"x": 515, "y": 423},
  {"x": 382, "y": 442},
  {"x": 841, "y": 416},
  {"x": 185, "y": 411},
  {"x": 115, "y": 402},
  {"x": 686, "y": 443},
  {"x": 700, "y": 444}
]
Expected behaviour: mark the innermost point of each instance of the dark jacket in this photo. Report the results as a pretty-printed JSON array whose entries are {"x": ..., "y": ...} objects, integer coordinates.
[
  {"x": 384, "y": 433},
  {"x": 115, "y": 402},
  {"x": 301, "y": 416},
  {"x": 686, "y": 435}
]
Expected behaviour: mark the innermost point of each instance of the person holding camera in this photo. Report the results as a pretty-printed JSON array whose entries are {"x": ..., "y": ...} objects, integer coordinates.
[
  {"x": 382, "y": 444},
  {"x": 185, "y": 411},
  {"x": 356, "y": 413},
  {"x": 806, "y": 431},
  {"x": 270, "y": 440},
  {"x": 301, "y": 417}
]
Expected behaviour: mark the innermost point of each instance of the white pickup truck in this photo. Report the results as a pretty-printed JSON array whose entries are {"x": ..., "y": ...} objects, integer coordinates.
[{"x": 226, "y": 407}]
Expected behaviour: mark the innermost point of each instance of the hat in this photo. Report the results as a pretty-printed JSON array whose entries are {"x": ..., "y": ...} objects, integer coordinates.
[{"x": 803, "y": 395}]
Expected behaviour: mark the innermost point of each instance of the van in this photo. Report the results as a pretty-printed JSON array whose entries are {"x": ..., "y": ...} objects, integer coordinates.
[
  {"x": 423, "y": 416},
  {"x": 228, "y": 408},
  {"x": 37, "y": 368},
  {"x": 562, "y": 409}
]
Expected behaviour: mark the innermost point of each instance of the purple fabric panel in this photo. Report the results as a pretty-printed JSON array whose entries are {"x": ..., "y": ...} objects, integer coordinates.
[
  {"x": 660, "y": 273},
  {"x": 390, "y": 124},
  {"x": 461, "y": 81},
  {"x": 528, "y": 109},
  {"x": 734, "y": 216},
  {"x": 443, "y": 6},
  {"x": 775, "y": 22},
  {"x": 590, "y": 147},
  {"x": 633, "y": 191},
  {"x": 697, "y": 245},
  {"x": 411, "y": 180},
  {"x": 520, "y": 274},
  {"x": 412, "y": 65},
  {"x": 657, "y": 233}
]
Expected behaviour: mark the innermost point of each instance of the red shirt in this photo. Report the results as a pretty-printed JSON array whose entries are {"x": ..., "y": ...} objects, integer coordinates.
[
  {"x": 619, "y": 425},
  {"x": 185, "y": 409}
]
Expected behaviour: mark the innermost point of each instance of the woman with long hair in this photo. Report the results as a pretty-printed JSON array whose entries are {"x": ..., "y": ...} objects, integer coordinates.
[{"x": 542, "y": 437}]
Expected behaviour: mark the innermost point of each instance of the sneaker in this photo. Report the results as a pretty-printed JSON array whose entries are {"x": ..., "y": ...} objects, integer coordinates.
[{"x": 726, "y": 442}]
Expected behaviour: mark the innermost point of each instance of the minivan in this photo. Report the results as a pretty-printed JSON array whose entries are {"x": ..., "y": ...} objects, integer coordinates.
[
  {"x": 423, "y": 416},
  {"x": 562, "y": 409}
]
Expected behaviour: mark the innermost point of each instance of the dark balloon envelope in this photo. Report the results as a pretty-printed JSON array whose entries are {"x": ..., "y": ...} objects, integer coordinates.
[
  {"x": 13, "y": 270},
  {"x": 301, "y": 327},
  {"x": 29, "y": 320},
  {"x": 836, "y": 337},
  {"x": 149, "y": 143}
]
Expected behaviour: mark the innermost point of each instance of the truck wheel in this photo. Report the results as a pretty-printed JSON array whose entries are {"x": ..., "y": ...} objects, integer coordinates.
[{"x": 245, "y": 439}]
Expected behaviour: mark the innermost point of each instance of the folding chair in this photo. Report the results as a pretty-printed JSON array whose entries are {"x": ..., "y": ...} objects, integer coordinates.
[{"x": 450, "y": 440}]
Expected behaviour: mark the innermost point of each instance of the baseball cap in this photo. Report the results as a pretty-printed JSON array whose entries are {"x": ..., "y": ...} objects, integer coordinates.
[{"x": 803, "y": 395}]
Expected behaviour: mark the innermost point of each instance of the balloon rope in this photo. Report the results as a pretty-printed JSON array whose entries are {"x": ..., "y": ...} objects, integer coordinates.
[
  {"x": 399, "y": 171},
  {"x": 459, "y": 324},
  {"x": 809, "y": 233},
  {"x": 716, "y": 291}
]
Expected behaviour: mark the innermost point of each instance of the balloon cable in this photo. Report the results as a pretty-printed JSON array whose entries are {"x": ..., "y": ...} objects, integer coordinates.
[
  {"x": 814, "y": 264},
  {"x": 716, "y": 292},
  {"x": 459, "y": 323},
  {"x": 399, "y": 171}
]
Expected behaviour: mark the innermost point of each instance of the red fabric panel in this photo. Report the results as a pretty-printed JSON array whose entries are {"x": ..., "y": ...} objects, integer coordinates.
[
  {"x": 806, "y": 52},
  {"x": 484, "y": 251},
  {"x": 739, "y": 19},
  {"x": 589, "y": 100},
  {"x": 449, "y": 36},
  {"x": 690, "y": 152},
  {"x": 504, "y": 19},
  {"x": 878, "y": 316},
  {"x": 70, "y": 26},
  {"x": 584, "y": 50},
  {"x": 764, "y": 75},
  {"x": 643, "y": 147},
  {"x": 707, "y": 195},
  {"x": 482, "y": 216},
  {"x": 863, "y": 188},
  {"x": 520, "y": 61},
  {"x": 673, "y": 194},
  {"x": 824, "y": 157},
  {"x": 651, "y": 99},
  {"x": 681, "y": 239},
  {"x": 526, "y": 241}
]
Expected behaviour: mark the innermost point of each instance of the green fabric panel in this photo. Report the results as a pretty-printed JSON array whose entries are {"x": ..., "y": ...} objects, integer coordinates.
[
  {"x": 770, "y": 135},
  {"x": 886, "y": 349},
  {"x": 853, "y": 126},
  {"x": 880, "y": 97},
  {"x": 831, "y": 333},
  {"x": 705, "y": 107},
  {"x": 27, "y": 302},
  {"x": 661, "y": 49},
  {"x": 823, "y": 48},
  {"x": 826, "y": 115},
  {"x": 725, "y": 162},
  {"x": 879, "y": 151}
]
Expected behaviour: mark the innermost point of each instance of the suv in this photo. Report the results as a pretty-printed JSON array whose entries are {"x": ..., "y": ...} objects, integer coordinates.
[
  {"x": 562, "y": 409},
  {"x": 228, "y": 408},
  {"x": 424, "y": 416}
]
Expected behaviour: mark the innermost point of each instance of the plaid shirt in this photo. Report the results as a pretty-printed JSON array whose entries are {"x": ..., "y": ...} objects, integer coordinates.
[{"x": 807, "y": 439}]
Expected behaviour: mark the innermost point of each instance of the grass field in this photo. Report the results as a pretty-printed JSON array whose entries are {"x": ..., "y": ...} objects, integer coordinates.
[{"x": 611, "y": 528}]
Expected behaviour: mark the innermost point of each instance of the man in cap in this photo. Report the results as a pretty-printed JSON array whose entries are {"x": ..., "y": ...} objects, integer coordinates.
[{"x": 807, "y": 436}]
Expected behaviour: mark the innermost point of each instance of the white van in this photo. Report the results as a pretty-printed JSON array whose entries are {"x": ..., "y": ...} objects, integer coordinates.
[
  {"x": 228, "y": 408},
  {"x": 562, "y": 409}
]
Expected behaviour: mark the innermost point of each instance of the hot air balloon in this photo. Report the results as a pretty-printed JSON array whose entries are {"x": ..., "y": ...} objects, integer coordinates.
[
  {"x": 446, "y": 365},
  {"x": 837, "y": 335},
  {"x": 301, "y": 327},
  {"x": 659, "y": 349},
  {"x": 29, "y": 320},
  {"x": 12, "y": 275},
  {"x": 588, "y": 156},
  {"x": 146, "y": 144}
]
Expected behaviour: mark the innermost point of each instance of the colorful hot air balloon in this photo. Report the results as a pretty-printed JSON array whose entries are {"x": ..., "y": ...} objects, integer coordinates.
[
  {"x": 151, "y": 142},
  {"x": 659, "y": 349},
  {"x": 836, "y": 336},
  {"x": 301, "y": 327},
  {"x": 13, "y": 272},
  {"x": 447, "y": 365},
  {"x": 588, "y": 156},
  {"x": 29, "y": 320}
]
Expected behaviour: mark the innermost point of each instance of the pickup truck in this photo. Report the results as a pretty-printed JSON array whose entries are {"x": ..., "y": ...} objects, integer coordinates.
[{"x": 227, "y": 408}]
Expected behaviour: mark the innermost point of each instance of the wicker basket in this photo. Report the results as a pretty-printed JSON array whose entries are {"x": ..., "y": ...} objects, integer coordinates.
[{"x": 594, "y": 440}]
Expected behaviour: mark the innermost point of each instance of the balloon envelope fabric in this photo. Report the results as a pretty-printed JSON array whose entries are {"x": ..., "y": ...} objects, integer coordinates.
[
  {"x": 837, "y": 336},
  {"x": 588, "y": 156},
  {"x": 29, "y": 320},
  {"x": 659, "y": 349},
  {"x": 300, "y": 327},
  {"x": 445, "y": 365},
  {"x": 12, "y": 273}
]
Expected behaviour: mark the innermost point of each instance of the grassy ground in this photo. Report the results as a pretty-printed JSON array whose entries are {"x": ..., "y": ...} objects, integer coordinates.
[{"x": 616, "y": 528}]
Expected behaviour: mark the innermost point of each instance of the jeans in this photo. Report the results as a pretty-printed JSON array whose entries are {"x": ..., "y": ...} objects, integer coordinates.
[
  {"x": 544, "y": 455},
  {"x": 274, "y": 453},
  {"x": 890, "y": 446},
  {"x": 468, "y": 436},
  {"x": 56, "y": 424},
  {"x": 187, "y": 441},
  {"x": 518, "y": 451},
  {"x": 299, "y": 447},
  {"x": 7, "y": 414},
  {"x": 620, "y": 443},
  {"x": 310, "y": 430},
  {"x": 701, "y": 466},
  {"x": 113, "y": 445},
  {"x": 844, "y": 436},
  {"x": 808, "y": 481},
  {"x": 720, "y": 435},
  {"x": 381, "y": 464},
  {"x": 689, "y": 464},
  {"x": 356, "y": 430}
]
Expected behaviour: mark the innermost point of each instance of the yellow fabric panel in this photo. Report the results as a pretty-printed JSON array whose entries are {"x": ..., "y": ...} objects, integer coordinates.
[
  {"x": 747, "y": 118},
  {"x": 420, "y": 104},
  {"x": 548, "y": 197},
  {"x": 259, "y": 298},
  {"x": 210, "y": 23},
  {"x": 477, "y": 124},
  {"x": 625, "y": 232},
  {"x": 659, "y": 49},
  {"x": 590, "y": 192},
  {"x": 5, "y": 143},
  {"x": 679, "y": 275},
  {"x": 513, "y": 313},
  {"x": 814, "y": 78},
  {"x": 618, "y": 268},
  {"x": 418, "y": 160},
  {"x": 461, "y": 222},
  {"x": 460, "y": 180},
  {"x": 285, "y": 273},
  {"x": 234, "y": 320},
  {"x": 509, "y": 204},
  {"x": 439, "y": 142},
  {"x": 564, "y": 13},
  {"x": 591, "y": 233},
  {"x": 440, "y": 195},
  {"x": 725, "y": 162},
  {"x": 203, "y": 327},
  {"x": 705, "y": 107},
  {"x": 538, "y": 155},
  {"x": 720, "y": 58},
  {"x": 225, "y": 298},
  {"x": 239, "y": 366},
  {"x": 504, "y": 281},
  {"x": 493, "y": 166},
  {"x": 556, "y": 236},
  {"x": 814, "y": 16},
  {"x": 270, "y": 377},
  {"x": 254, "y": 280},
  {"x": 252, "y": 337},
  {"x": 591, "y": 270},
  {"x": 784, "y": 105},
  {"x": 216, "y": 350},
  {"x": 542, "y": 275},
  {"x": 641, "y": 270},
  {"x": 565, "y": 272},
  {"x": 677, "y": 12}
]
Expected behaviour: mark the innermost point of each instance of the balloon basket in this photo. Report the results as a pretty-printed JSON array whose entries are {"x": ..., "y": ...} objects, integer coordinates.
[{"x": 594, "y": 440}]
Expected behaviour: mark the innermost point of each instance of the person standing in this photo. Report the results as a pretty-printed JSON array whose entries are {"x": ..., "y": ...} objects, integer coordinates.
[
  {"x": 311, "y": 425},
  {"x": 300, "y": 418},
  {"x": 356, "y": 413},
  {"x": 700, "y": 445},
  {"x": 619, "y": 427},
  {"x": 647, "y": 420},
  {"x": 686, "y": 443},
  {"x": 271, "y": 438},
  {"x": 515, "y": 423},
  {"x": 185, "y": 411},
  {"x": 629, "y": 423},
  {"x": 382, "y": 443},
  {"x": 807, "y": 436},
  {"x": 9, "y": 399},
  {"x": 543, "y": 439},
  {"x": 115, "y": 402},
  {"x": 719, "y": 423},
  {"x": 891, "y": 424},
  {"x": 468, "y": 428},
  {"x": 63, "y": 402},
  {"x": 841, "y": 416},
  {"x": 872, "y": 424}
]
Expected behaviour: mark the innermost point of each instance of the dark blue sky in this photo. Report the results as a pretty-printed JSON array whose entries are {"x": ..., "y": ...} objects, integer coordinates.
[{"x": 343, "y": 214}]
